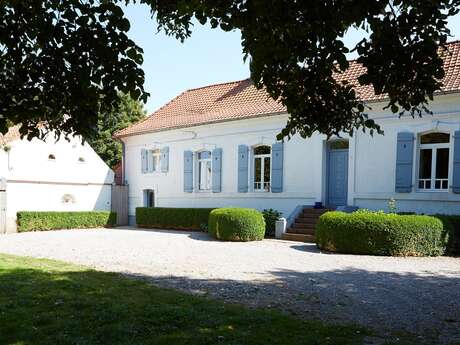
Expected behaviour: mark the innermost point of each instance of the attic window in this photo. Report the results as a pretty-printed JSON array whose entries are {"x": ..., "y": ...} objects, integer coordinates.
[
  {"x": 51, "y": 157},
  {"x": 81, "y": 160}
]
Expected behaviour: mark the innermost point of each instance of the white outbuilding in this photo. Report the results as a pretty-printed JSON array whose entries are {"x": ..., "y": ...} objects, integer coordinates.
[{"x": 50, "y": 175}]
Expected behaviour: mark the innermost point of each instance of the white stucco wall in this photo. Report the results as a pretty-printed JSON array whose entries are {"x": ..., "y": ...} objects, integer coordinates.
[
  {"x": 35, "y": 183},
  {"x": 371, "y": 175}
]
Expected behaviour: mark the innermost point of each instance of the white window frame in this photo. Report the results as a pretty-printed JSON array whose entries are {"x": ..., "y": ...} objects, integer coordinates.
[
  {"x": 201, "y": 165},
  {"x": 434, "y": 148},
  {"x": 263, "y": 183},
  {"x": 154, "y": 160}
]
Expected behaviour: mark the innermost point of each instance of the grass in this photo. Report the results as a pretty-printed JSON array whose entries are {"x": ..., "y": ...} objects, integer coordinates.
[{"x": 50, "y": 302}]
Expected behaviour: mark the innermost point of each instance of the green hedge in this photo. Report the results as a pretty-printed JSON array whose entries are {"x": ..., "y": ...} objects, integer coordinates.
[
  {"x": 172, "y": 218},
  {"x": 41, "y": 221},
  {"x": 237, "y": 224},
  {"x": 378, "y": 233},
  {"x": 452, "y": 226}
]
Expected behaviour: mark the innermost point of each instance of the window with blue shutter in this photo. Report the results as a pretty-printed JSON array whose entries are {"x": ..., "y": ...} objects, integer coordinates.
[
  {"x": 165, "y": 159},
  {"x": 243, "y": 168},
  {"x": 188, "y": 171},
  {"x": 143, "y": 161},
  {"x": 456, "y": 167},
  {"x": 277, "y": 168},
  {"x": 216, "y": 170},
  {"x": 404, "y": 162}
]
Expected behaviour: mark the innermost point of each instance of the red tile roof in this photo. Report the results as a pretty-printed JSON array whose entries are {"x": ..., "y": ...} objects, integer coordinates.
[
  {"x": 11, "y": 135},
  {"x": 241, "y": 100}
]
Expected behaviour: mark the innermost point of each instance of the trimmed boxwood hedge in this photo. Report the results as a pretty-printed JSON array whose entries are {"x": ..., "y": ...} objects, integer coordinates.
[
  {"x": 378, "y": 233},
  {"x": 172, "y": 218},
  {"x": 452, "y": 226},
  {"x": 42, "y": 221},
  {"x": 237, "y": 224}
]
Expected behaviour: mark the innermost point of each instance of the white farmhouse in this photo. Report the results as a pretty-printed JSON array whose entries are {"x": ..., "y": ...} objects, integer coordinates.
[
  {"x": 50, "y": 175},
  {"x": 216, "y": 146}
]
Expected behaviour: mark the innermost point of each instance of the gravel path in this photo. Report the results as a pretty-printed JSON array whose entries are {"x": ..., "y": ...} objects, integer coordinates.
[{"x": 419, "y": 297}]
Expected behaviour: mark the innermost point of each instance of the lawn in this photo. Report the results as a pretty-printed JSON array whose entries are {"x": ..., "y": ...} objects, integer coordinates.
[{"x": 50, "y": 302}]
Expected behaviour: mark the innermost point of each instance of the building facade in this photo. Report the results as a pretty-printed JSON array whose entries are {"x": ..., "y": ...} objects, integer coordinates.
[{"x": 216, "y": 146}]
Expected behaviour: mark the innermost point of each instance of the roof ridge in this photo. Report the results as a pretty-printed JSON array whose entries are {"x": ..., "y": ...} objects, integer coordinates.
[{"x": 217, "y": 84}]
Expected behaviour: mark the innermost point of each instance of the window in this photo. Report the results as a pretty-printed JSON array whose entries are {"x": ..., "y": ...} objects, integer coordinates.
[
  {"x": 51, "y": 157},
  {"x": 204, "y": 170},
  {"x": 433, "y": 172},
  {"x": 262, "y": 171},
  {"x": 153, "y": 160},
  {"x": 149, "y": 198}
]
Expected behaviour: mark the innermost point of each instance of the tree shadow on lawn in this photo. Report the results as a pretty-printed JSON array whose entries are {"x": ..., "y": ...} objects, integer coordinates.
[
  {"x": 48, "y": 302},
  {"x": 425, "y": 308}
]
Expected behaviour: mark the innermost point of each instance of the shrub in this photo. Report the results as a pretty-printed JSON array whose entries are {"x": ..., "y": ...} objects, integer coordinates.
[
  {"x": 270, "y": 217},
  {"x": 172, "y": 218},
  {"x": 237, "y": 224},
  {"x": 377, "y": 233},
  {"x": 41, "y": 221},
  {"x": 452, "y": 227}
]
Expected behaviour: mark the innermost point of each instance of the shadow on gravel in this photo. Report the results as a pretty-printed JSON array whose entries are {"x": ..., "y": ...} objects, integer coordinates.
[{"x": 425, "y": 308}]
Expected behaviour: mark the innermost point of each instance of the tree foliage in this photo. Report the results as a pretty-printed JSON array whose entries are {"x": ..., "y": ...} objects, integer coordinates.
[
  {"x": 125, "y": 112},
  {"x": 296, "y": 50},
  {"x": 62, "y": 63},
  {"x": 71, "y": 57}
]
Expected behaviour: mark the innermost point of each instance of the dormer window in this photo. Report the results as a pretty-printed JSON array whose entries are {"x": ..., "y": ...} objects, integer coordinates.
[{"x": 51, "y": 157}]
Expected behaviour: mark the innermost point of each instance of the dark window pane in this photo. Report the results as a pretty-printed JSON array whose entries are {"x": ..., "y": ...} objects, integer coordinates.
[
  {"x": 445, "y": 184},
  {"x": 437, "y": 184},
  {"x": 435, "y": 138},
  {"x": 262, "y": 150},
  {"x": 338, "y": 145},
  {"x": 442, "y": 163},
  {"x": 420, "y": 185},
  {"x": 267, "y": 170},
  {"x": 257, "y": 170},
  {"x": 428, "y": 184},
  {"x": 425, "y": 163}
]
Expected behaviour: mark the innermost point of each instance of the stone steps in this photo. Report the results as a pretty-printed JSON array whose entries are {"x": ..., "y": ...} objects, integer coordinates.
[{"x": 304, "y": 227}]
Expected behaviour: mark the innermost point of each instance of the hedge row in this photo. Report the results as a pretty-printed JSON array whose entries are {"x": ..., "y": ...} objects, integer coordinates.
[
  {"x": 237, "y": 224},
  {"x": 378, "y": 233},
  {"x": 173, "y": 218},
  {"x": 452, "y": 226},
  {"x": 42, "y": 221}
]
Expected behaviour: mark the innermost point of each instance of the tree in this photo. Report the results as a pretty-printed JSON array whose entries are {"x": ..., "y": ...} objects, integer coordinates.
[
  {"x": 68, "y": 57},
  {"x": 62, "y": 63},
  {"x": 125, "y": 112}
]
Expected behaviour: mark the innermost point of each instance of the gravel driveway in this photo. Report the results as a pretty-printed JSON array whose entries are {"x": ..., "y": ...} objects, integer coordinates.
[{"x": 418, "y": 297}]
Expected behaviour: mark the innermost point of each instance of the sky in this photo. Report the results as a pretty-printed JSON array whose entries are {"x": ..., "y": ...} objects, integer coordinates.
[{"x": 209, "y": 56}]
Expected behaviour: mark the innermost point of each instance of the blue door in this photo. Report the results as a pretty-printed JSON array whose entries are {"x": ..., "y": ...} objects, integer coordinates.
[{"x": 337, "y": 179}]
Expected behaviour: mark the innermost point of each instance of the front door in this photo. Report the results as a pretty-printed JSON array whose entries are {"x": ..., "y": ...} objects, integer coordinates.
[{"x": 337, "y": 176}]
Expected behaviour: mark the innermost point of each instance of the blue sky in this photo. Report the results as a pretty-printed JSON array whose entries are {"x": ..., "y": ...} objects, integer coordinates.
[{"x": 209, "y": 56}]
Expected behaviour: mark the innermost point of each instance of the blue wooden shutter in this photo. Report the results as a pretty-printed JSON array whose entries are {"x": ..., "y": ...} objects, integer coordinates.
[
  {"x": 188, "y": 171},
  {"x": 277, "y": 168},
  {"x": 243, "y": 168},
  {"x": 216, "y": 170},
  {"x": 404, "y": 162},
  {"x": 456, "y": 167},
  {"x": 143, "y": 161},
  {"x": 165, "y": 159}
]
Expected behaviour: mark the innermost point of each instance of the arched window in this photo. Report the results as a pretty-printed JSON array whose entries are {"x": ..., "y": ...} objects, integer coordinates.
[
  {"x": 51, "y": 157},
  {"x": 204, "y": 170},
  {"x": 262, "y": 168},
  {"x": 433, "y": 153}
]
